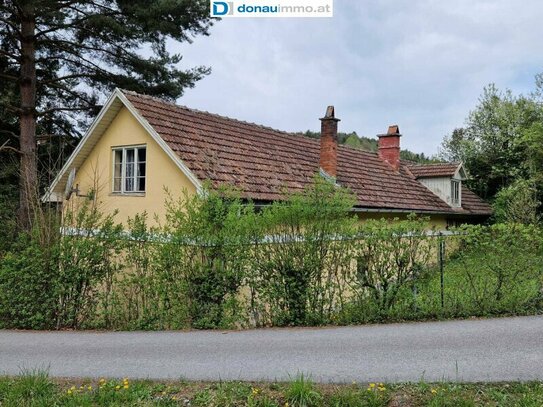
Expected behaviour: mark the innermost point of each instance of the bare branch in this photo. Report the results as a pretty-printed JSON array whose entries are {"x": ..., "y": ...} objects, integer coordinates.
[
  {"x": 9, "y": 133},
  {"x": 71, "y": 92},
  {"x": 5, "y": 147},
  {"x": 10, "y": 24},
  {"x": 61, "y": 109},
  {"x": 63, "y": 78},
  {"x": 11, "y": 108},
  {"x": 122, "y": 51},
  {"x": 10, "y": 55},
  {"x": 9, "y": 77},
  {"x": 57, "y": 27}
]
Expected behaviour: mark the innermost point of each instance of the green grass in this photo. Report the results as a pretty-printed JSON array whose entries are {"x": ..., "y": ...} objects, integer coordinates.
[{"x": 37, "y": 389}]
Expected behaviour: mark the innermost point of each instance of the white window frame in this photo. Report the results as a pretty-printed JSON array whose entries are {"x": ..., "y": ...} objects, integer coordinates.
[
  {"x": 123, "y": 190},
  {"x": 456, "y": 202}
]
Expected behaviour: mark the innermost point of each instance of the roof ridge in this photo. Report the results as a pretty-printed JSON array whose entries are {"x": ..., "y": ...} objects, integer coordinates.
[
  {"x": 191, "y": 109},
  {"x": 356, "y": 149},
  {"x": 415, "y": 164},
  {"x": 287, "y": 133}
]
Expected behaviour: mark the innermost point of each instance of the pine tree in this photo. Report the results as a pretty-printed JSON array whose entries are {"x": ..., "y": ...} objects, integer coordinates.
[{"x": 61, "y": 56}]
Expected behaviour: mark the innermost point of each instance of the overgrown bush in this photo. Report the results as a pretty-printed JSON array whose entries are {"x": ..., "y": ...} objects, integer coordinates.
[
  {"x": 390, "y": 258},
  {"x": 501, "y": 267},
  {"x": 51, "y": 279},
  {"x": 88, "y": 249},
  {"x": 207, "y": 247},
  {"x": 29, "y": 283},
  {"x": 517, "y": 203},
  {"x": 300, "y": 256},
  {"x": 217, "y": 261},
  {"x": 134, "y": 297}
]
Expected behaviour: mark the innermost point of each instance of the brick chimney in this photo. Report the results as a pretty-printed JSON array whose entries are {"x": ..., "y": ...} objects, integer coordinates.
[
  {"x": 328, "y": 153},
  {"x": 389, "y": 146}
]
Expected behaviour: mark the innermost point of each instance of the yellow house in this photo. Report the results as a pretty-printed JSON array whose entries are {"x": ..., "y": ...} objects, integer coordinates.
[{"x": 138, "y": 146}]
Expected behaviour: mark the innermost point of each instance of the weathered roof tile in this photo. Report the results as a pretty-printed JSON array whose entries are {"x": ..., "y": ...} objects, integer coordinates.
[{"x": 263, "y": 162}]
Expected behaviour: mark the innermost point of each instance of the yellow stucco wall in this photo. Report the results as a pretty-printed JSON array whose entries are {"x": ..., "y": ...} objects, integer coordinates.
[
  {"x": 96, "y": 172},
  {"x": 439, "y": 222}
]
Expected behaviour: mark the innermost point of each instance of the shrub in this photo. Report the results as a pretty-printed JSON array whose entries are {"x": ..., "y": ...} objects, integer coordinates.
[
  {"x": 208, "y": 242},
  {"x": 29, "y": 284},
  {"x": 390, "y": 257},
  {"x": 51, "y": 279},
  {"x": 517, "y": 203},
  {"x": 299, "y": 256},
  {"x": 137, "y": 296},
  {"x": 501, "y": 266},
  {"x": 220, "y": 262},
  {"x": 87, "y": 254}
]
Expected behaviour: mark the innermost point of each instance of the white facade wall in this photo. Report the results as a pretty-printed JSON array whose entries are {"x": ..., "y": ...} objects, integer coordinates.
[{"x": 441, "y": 186}]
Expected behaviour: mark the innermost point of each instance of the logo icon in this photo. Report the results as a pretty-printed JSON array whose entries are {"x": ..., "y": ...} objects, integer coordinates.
[{"x": 222, "y": 8}]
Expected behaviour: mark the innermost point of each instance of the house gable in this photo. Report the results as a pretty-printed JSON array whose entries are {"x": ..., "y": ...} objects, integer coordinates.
[
  {"x": 93, "y": 161},
  {"x": 115, "y": 103}
]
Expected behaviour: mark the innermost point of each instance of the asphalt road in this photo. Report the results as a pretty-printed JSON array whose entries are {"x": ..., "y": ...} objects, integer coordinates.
[{"x": 474, "y": 350}]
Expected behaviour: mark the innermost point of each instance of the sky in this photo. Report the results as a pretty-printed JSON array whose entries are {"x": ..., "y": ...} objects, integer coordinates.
[{"x": 420, "y": 64}]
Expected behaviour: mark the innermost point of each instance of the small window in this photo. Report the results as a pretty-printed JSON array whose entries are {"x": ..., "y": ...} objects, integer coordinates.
[
  {"x": 129, "y": 169},
  {"x": 455, "y": 192}
]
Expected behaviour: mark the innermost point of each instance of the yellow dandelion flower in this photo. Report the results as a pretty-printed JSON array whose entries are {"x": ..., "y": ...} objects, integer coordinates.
[
  {"x": 102, "y": 380},
  {"x": 126, "y": 386},
  {"x": 372, "y": 385},
  {"x": 72, "y": 388},
  {"x": 69, "y": 391},
  {"x": 89, "y": 388},
  {"x": 434, "y": 391},
  {"x": 286, "y": 403},
  {"x": 381, "y": 388},
  {"x": 117, "y": 387}
]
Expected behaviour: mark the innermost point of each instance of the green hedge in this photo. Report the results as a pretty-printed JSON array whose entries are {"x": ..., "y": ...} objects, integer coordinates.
[{"x": 220, "y": 262}]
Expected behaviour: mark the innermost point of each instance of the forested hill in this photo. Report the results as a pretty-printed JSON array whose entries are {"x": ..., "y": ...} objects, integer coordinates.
[{"x": 370, "y": 144}]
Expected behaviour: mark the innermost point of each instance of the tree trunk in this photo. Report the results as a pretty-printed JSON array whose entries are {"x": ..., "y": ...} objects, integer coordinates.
[{"x": 28, "y": 180}]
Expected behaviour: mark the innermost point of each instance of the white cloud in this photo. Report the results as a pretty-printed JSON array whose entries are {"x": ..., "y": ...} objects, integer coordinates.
[{"x": 421, "y": 64}]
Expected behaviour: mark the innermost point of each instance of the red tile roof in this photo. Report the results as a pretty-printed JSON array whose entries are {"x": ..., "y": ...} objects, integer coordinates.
[
  {"x": 263, "y": 162},
  {"x": 433, "y": 170},
  {"x": 473, "y": 204}
]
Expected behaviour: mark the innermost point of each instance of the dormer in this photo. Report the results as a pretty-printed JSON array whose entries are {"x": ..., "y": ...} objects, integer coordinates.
[{"x": 443, "y": 179}]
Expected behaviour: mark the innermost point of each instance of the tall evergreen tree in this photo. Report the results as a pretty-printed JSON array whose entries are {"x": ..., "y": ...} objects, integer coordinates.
[{"x": 60, "y": 56}]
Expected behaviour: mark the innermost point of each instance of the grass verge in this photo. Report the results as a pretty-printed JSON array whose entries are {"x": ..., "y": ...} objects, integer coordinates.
[{"x": 38, "y": 389}]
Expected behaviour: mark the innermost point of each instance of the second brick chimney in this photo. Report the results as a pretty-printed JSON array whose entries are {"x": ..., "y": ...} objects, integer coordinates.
[
  {"x": 328, "y": 151},
  {"x": 389, "y": 146}
]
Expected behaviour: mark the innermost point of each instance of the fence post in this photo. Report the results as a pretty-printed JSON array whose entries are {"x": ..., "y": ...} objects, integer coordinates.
[{"x": 441, "y": 254}]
